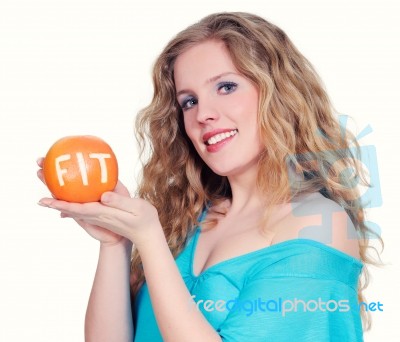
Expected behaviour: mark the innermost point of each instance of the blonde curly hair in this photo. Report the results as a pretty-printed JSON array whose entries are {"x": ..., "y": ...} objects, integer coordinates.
[{"x": 293, "y": 108}]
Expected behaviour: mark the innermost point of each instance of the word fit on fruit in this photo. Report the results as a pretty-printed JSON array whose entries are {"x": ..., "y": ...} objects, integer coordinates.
[
  {"x": 82, "y": 166},
  {"x": 80, "y": 169}
]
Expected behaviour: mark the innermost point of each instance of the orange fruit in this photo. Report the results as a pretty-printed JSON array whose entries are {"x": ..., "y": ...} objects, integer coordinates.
[{"x": 80, "y": 169}]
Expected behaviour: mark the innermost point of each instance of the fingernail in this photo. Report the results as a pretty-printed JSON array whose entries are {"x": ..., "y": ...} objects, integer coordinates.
[
  {"x": 106, "y": 197},
  {"x": 46, "y": 202}
]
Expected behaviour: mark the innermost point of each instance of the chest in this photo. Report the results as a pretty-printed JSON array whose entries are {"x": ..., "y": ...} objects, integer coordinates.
[
  {"x": 228, "y": 240},
  {"x": 233, "y": 237}
]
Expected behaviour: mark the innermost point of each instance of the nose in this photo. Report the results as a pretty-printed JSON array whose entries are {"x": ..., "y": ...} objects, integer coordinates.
[{"x": 206, "y": 110}]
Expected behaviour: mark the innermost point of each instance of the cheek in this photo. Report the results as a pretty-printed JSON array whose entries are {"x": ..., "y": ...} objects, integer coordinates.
[
  {"x": 186, "y": 124},
  {"x": 189, "y": 128},
  {"x": 252, "y": 103},
  {"x": 246, "y": 112},
  {"x": 248, "y": 116},
  {"x": 245, "y": 104}
]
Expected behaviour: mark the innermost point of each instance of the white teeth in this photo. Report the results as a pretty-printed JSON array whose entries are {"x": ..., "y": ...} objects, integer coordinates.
[{"x": 218, "y": 137}]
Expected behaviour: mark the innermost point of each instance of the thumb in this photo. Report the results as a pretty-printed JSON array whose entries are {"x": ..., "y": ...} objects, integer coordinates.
[
  {"x": 121, "y": 202},
  {"x": 121, "y": 189}
]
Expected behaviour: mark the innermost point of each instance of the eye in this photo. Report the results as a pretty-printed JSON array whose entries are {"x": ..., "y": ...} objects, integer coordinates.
[
  {"x": 188, "y": 103},
  {"x": 227, "y": 87}
]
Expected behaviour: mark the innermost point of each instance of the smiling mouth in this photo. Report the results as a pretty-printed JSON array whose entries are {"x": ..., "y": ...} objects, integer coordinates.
[{"x": 221, "y": 136}]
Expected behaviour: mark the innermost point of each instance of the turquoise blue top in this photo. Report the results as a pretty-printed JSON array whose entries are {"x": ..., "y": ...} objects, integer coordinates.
[{"x": 296, "y": 290}]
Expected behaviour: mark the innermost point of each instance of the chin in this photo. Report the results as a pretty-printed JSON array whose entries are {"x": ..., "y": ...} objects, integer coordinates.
[
  {"x": 235, "y": 170},
  {"x": 223, "y": 172}
]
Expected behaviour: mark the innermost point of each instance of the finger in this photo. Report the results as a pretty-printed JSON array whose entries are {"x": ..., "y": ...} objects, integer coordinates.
[
  {"x": 60, "y": 205},
  {"x": 79, "y": 210},
  {"x": 41, "y": 176},
  {"x": 121, "y": 189},
  {"x": 64, "y": 215},
  {"x": 93, "y": 213},
  {"x": 131, "y": 205}
]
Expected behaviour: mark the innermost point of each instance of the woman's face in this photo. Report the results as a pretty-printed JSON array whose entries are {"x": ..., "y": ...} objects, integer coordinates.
[{"x": 219, "y": 108}]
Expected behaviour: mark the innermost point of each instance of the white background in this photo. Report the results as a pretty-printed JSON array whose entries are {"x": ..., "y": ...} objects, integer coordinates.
[{"x": 83, "y": 67}]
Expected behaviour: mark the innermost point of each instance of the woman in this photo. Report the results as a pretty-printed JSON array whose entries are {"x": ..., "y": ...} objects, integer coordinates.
[{"x": 245, "y": 227}]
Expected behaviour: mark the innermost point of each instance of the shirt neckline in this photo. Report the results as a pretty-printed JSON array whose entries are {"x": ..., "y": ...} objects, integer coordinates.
[{"x": 266, "y": 250}]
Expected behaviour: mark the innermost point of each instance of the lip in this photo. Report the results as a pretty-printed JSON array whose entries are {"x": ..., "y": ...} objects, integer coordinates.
[
  {"x": 208, "y": 135},
  {"x": 219, "y": 145}
]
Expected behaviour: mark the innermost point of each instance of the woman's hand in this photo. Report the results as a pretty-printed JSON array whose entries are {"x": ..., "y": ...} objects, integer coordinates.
[{"x": 100, "y": 233}]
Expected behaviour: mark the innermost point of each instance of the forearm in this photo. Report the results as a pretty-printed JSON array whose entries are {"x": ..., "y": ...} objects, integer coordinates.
[
  {"x": 177, "y": 320},
  {"x": 108, "y": 315}
]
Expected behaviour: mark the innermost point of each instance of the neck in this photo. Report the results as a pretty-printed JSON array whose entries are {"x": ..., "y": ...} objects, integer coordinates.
[{"x": 245, "y": 195}]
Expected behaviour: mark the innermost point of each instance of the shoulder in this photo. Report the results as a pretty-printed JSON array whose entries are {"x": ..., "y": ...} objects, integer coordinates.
[{"x": 318, "y": 218}]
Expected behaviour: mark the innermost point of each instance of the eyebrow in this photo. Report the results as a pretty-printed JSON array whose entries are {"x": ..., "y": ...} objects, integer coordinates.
[{"x": 210, "y": 80}]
